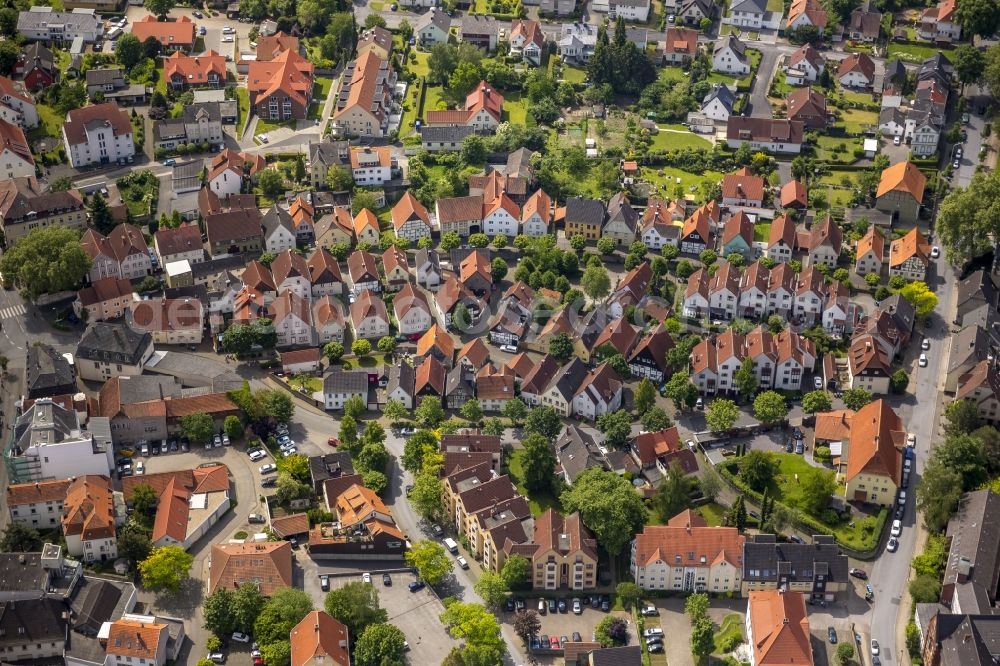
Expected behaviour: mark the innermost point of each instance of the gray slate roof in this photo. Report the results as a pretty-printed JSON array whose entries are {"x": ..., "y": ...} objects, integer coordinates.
[
  {"x": 584, "y": 211},
  {"x": 770, "y": 561},
  {"x": 113, "y": 343},
  {"x": 721, "y": 92},
  {"x": 974, "y": 532},
  {"x": 47, "y": 372},
  {"x": 753, "y": 6},
  {"x": 455, "y": 133},
  {"x": 345, "y": 381}
]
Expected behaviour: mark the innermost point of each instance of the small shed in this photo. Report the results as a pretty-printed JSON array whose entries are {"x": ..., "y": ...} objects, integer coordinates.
[{"x": 871, "y": 147}]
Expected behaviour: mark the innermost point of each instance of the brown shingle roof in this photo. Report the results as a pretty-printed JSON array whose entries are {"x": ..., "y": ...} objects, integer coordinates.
[
  {"x": 33, "y": 493},
  {"x": 78, "y": 119},
  {"x": 910, "y": 245},
  {"x": 743, "y": 185},
  {"x": 268, "y": 564},
  {"x": 877, "y": 439},
  {"x": 319, "y": 636},
  {"x": 135, "y": 638},
  {"x": 185, "y": 238},
  {"x": 780, "y": 628}
]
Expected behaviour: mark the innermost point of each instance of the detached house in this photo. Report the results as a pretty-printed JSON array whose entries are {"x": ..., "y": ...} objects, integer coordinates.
[
  {"x": 803, "y": 13},
  {"x": 432, "y": 28},
  {"x": 822, "y": 243},
  {"x": 774, "y": 135},
  {"x": 901, "y": 191},
  {"x": 527, "y": 40},
  {"x": 857, "y": 71},
  {"x": 870, "y": 252},
  {"x": 364, "y": 272},
  {"x": 412, "y": 311},
  {"x": 661, "y": 224},
  {"x": 680, "y": 45},
  {"x": 730, "y": 56},
  {"x": 742, "y": 188},
  {"x": 874, "y": 455},
  {"x": 410, "y": 219},
  {"x": 95, "y": 134},
  {"x": 483, "y": 110},
  {"x": 584, "y": 217},
  {"x": 369, "y": 318},
  {"x": 807, "y": 105},
  {"x": 747, "y": 14},
  {"x": 909, "y": 256},
  {"x": 804, "y": 66},
  {"x": 940, "y": 23}
]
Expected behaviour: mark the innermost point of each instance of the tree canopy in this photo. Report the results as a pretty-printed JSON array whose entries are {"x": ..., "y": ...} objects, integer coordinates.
[
  {"x": 355, "y": 604},
  {"x": 608, "y": 505},
  {"x": 47, "y": 260}
]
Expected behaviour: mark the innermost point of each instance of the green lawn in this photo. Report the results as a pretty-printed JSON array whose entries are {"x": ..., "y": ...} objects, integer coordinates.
[
  {"x": 310, "y": 383},
  {"x": 862, "y": 99},
  {"x": 376, "y": 6},
  {"x": 672, "y": 74},
  {"x": 828, "y": 148},
  {"x": 419, "y": 67},
  {"x": 775, "y": 6},
  {"x": 573, "y": 75},
  {"x": 515, "y": 108},
  {"x": 264, "y": 126},
  {"x": 781, "y": 87},
  {"x": 410, "y": 110},
  {"x": 434, "y": 99},
  {"x": 719, "y": 77},
  {"x": 538, "y": 502},
  {"x": 666, "y": 177},
  {"x": 856, "y": 120},
  {"x": 677, "y": 141},
  {"x": 322, "y": 86},
  {"x": 49, "y": 122},
  {"x": 911, "y": 52},
  {"x": 761, "y": 232},
  {"x": 243, "y": 100},
  {"x": 732, "y": 625},
  {"x": 712, "y": 513}
]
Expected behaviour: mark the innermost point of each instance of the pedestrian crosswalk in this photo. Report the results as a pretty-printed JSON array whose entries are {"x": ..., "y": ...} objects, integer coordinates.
[{"x": 11, "y": 312}]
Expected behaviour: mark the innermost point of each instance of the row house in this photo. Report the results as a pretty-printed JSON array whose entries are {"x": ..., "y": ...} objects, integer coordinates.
[
  {"x": 17, "y": 106},
  {"x": 909, "y": 256},
  {"x": 562, "y": 552},
  {"x": 121, "y": 254},
  {"x": 870, "y": 252},
  {"x": 171, "y": 321},
  {"x": 369, "y": 317},
  {"x": 631, "y": 290},
  {"x": 183, "y": 72},
  {"x": 648, "y": 358},
  {"x": 779, "y": 361},
  {"x": 661, "y": 224},
  {"x": 450, "y": 295},
  {"x": 174, "y": 35},
  {"x": 25, "y": 206},
  {"x": 412, "y": 311},
  {"x": 107, "y": 298}
]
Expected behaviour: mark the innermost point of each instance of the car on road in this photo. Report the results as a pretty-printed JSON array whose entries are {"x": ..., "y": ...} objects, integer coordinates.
[
  {"x": 925, "y": 345},
  {"x": 386, "y": 580},
  {"x": 902, "y": 497},
  {"x": 869, "y": 595},
  {"x": 268, "y": 468},
  {"x": 577, "y": 606},
  {"x": 831, "y": 635},
  {"x": 418, "y": 585},
  {"x": 366, "y": 577},
  {"x": 216, "y": 657},
  {"x": 649, "y": 610},
  {"x": 240, "y": 637},
  {"x": 256, "y": 518},
  {"x": 896, "y": 529},
  {"x": 923, "y": 361},
  {"x": 935, "y": 252},
  {"x": 875, "y": 649},
  {"x": 859, "y": 573},
  {"x": 462, "y": 562},
  {"x": 324, "y": 583},
  {"x": 893, "y": 545}
]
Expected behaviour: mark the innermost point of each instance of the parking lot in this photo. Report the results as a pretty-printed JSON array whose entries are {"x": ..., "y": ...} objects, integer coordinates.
[
  {"x": 562, "y": 624},
  {"x": 417, "y": 614}
]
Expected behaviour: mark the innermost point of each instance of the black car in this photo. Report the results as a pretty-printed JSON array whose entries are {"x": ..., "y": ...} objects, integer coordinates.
[
  {"x": 858, "y": 573},
  {"x": 552, "y": 605},
  {"x": 509, "y": 604},
  {"x": 577, "y": 637},
  {"x": 831, "y": 634},
  {"x": 268, "y": 482},
  {"x": 795, "y": 539},
  {"x": 518, "y": 604},
  {"x": 595, "y": 601},
  {"x": 419, "y": 585},
  {"x": 386, "y": 580},
  {"x": 796, "y": 433},
  {"x": 124, "y": 461}
]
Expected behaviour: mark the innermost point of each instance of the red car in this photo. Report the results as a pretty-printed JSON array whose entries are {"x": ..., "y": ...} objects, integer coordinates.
[
  {"x": 257, "y": 661},
  {"x": 554, "y": 642},
  {"x": 333, "y": 441}
]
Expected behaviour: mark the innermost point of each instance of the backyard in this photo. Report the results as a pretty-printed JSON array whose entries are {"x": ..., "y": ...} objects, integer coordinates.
[
  {"x": 139, "y": 191},
  {"x": 538, "y": 501},
  {"x": 912, "y": 52},
  {"x": 667, "y": 179},
  {"x": 671, "y": 139},
  {"x": 858, "y": 531}
]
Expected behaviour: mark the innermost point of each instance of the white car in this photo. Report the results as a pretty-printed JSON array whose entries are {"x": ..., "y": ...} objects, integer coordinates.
[
  {"x": 892, "y": 545},
  {"x": 240, "y": 637},
  {"x": 902, "y": 498},
  {"x": 140, "y": 468},
  {"x": 510, "y": 349},
  {"x": 818, "y": 382},
  {"x": 897, "y": 528},
  {"x": 923, "y": 361},
  {"x": 290, "y": 452},
  {"x": 874, "y": 648},
  {"x": 655, "y": 631},
  {"x": 268, "y": 468},
  {"x": 227, "y": 38},
  {"x": 257, "y": 454},
  {"x": 911, "y": 440},
  {"x": 935, "y": 252},
  {"x": 462, "y": 562},
  {"x": 926, "y": 344},
  {"x": 896, "y": 140},
  {"x": 366, "y": 577},
  {"x": 228, "y": 30}
]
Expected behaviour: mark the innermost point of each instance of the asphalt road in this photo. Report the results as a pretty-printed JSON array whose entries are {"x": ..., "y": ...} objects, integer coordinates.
[
  {"x": 759, "y": 106},
  {"x": 890, "y": 574},
  {"x": 970, "y": 159}
]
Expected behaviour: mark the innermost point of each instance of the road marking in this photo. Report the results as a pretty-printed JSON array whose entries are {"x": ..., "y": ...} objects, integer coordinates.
[{"x": 14, "y": 311}]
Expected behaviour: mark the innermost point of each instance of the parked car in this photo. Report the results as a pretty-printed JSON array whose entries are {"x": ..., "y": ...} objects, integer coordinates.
[
  {"x": 655, "y": 647},
  {"x": 140, "y": 468},
  {"x": 923, "y": 361},
  {"x": 562, "y": 605},
  {"x": 577, "y": 606},
  {"x": 859, "y": 573},
  {"x": 366, "y": 577},
  {"x": 655, "y": 631},
  {"x": 902, "y": 497},
  {"x": 462, "y": 562},
  {"x": 256, "y": 518},
  {"x": 553, "y": 605},
  {"x": 554, "y": 642},
  {"x": 577, "y": 637},
  {"x": 290, "y": 452},
  {"x": 654, "y": 640},
  {"x": 268, "y": 468},
  {"x": 324, "y": 583},
  {"x": 217, "y": 657},
  {"x": 269, "y": 482},
  {"x": 892, "y": 545},
  {"x": 544, "y": 640},
  {"x": 649, "y": 610},
  {"x": 535, "y": 643},
  {"x": 831, "y": 635},
  {"x": 418, "y": 585},
  {"x": 875, "y": 649},
  {"x": 240, "y": 637},
  {"x": 386, "y": 580},
  {"x": 257, "y": 454},
  {"x": 542, "y": 606},
  {"x": 935, "y": 252}
]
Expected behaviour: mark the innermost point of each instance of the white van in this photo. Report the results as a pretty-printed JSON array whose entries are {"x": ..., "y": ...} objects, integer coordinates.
[
  {"x": 451, "y": 545},
  {"x": 114, "y": 33}
]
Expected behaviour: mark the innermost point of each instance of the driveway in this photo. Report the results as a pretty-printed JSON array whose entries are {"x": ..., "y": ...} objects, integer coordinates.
[{"x": 759, "y": 106}]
